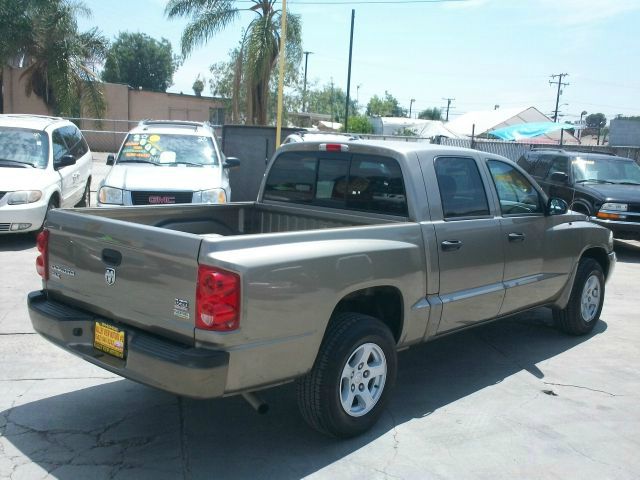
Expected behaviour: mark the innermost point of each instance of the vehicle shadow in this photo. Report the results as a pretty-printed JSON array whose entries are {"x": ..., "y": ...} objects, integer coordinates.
[
  {"x": 16, "y": 242},
  {"x": 125, "y": 429},
  {"x": 627, "y": 252}
]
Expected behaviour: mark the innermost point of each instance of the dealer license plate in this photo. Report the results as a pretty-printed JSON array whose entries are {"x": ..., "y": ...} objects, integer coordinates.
[{"x": 109, "y": 339}]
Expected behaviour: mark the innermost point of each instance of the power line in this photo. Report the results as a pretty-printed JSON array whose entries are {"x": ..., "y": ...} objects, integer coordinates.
[{"x": 370, "y": 2}]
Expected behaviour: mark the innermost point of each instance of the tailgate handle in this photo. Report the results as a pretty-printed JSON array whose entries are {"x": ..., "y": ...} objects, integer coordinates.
[{"x": 111, "y": 257}]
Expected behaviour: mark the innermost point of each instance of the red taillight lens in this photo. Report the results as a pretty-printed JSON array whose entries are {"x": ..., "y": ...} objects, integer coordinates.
[
  {"x": 217, "y": 299},
  {"x": 334, "y": 147},
  {"x": 42, "y": 261}
]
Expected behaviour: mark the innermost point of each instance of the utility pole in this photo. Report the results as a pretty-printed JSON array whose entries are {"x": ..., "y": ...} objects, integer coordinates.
[
  {"x": 283, "y": 35},
  {"x": 449, "y": 100},
  {"x": 332, "y": 120},
  {"x": 411, "y": 105},
  {"x": 560, "y": 83},
  {"x": 346, "y": 113},
  {"x": 304, "y": 89}
]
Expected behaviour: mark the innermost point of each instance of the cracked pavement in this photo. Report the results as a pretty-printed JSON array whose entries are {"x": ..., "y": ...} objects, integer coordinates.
[{"x": 514, "y": 399}]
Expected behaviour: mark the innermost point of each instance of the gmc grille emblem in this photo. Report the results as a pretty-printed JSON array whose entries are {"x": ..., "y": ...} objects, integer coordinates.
[{"x": 155, "y": 199}]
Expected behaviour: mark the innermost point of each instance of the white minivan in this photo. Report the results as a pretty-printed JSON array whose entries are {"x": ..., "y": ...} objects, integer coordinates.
[
  {"x": 166, "y": 162},
  {"x": 45, "y": 163}
]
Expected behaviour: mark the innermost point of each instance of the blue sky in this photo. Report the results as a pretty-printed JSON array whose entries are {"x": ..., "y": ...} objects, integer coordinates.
[{"x": 480, "y": 52}]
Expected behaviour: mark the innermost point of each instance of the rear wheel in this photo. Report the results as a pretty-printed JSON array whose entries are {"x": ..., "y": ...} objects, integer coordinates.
[
  {"x": 351, "y": 381},
  {"x": 586, "y": 300}
]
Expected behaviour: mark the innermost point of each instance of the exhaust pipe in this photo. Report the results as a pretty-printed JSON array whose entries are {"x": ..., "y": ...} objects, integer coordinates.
[{"x": 256, "y": 402}]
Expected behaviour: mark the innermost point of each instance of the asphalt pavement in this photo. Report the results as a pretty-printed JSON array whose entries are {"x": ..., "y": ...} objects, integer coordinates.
[{"x": 513, "y": 399}]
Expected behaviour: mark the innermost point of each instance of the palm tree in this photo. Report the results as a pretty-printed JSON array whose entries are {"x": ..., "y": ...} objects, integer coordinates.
[
  {"x": 258, "y": 50},
  {"x": 58, "y": 59}
]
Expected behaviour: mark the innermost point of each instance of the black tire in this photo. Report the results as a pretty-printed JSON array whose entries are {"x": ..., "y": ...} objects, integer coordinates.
[
  {"x": 53, "y": 203},
  {"x": 86, "y": 195},
  {"x": 573, "y": 319},
  {"x": 318, "y": 392}
]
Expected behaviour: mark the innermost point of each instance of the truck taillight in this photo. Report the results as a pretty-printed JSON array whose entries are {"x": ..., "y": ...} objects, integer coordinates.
[
  {"x": 333, "y": 147},
  {"x": 217, "y": 299},
  {"x": 42, "y": 262}
]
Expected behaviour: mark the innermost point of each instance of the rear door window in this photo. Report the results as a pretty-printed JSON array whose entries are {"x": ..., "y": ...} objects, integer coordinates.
[
  {"x": 541, "y": 167},
  {"x": 461, "y": 189},
  {"x": 338, "y": 180}
]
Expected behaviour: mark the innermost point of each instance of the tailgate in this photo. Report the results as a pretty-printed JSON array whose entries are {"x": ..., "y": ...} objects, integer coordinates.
[{"x": 132, "y": 273}]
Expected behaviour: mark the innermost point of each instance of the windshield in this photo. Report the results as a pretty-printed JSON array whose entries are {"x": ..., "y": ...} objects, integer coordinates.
[
  {"x": 22, "y": 146},
  {"x": 606, "y": 170},
  {"x": 168, "y": 150}
]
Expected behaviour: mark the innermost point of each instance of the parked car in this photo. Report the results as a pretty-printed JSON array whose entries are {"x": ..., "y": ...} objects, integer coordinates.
[
  {"x": 317, "y": 136},
  {"x": 167, "y": 162},
  {"x": 45, "y": 163},
  {"x": 352, "y": 251},
  {"x": 604, "y": 187}
]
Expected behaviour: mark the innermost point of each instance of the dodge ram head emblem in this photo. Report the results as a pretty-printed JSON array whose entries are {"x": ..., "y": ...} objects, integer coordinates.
[{"x": 110, "y": 276}]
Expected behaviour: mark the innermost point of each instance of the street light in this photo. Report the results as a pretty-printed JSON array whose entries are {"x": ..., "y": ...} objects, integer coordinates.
[
  {"x": 304, "y": 89},
  {"x": 583, "y": 113},
  {"x": 411, "y": 105}
]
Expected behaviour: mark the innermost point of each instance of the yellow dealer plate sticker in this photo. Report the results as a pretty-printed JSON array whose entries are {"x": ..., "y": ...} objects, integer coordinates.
[{"x": 109, "y": 339}]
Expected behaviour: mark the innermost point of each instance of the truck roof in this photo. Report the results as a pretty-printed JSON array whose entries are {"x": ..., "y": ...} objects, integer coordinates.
[
  {"x": 381, "y": 145},
  {"x": 178, "y": 127}
]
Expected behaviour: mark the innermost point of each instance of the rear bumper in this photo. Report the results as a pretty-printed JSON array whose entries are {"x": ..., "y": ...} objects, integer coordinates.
[
  {"x": 150, "y": 359},
  {"x": 630, "y": 230}
]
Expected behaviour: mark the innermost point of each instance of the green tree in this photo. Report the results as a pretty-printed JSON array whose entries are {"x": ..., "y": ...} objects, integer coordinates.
[
  {"x": 329, "y": 100},
  {"x": 198, "y": 86},
  {"x": 57, "y": 57},
  {"x": 596, "y": 120},
  {"x": 16, "y": 34},
  {"x": 140, "y": 61},
  {"x": 359, "y": 124},
  {"x": 259, "y": 47},
  {"x": 387, "y": 106},
  {"x": 433, "y": 113}
]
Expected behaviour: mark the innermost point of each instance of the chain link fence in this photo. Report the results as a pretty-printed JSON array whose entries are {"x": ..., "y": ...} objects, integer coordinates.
[{"x": 106, "y": 135}]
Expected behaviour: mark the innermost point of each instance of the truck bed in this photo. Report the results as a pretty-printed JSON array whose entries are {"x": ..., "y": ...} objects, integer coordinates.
[{"x": 237, "y": 218}]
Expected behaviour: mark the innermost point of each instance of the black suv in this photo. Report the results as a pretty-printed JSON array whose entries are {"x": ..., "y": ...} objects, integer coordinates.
[{"x": 604, "y": 187}]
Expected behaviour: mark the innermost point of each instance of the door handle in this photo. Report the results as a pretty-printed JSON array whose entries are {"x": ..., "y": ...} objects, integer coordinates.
[
  {"x": 516, "y": 237},
  {"x": 450, "y": 245}
]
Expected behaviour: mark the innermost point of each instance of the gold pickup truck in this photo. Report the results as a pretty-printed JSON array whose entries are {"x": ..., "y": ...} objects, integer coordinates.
[{"x": 352, "y": 251}]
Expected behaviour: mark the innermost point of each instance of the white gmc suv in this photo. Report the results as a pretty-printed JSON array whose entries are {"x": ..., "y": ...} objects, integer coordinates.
[
  {"x": 166, "y": 162},
  {"x": 45, "y": 163}
]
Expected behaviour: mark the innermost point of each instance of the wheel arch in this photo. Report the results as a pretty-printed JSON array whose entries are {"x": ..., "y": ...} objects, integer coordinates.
[
  {"x": 384, "y": 302},
  {"x": 581, "y": 206},
  {"x": 599, "y": 254}
]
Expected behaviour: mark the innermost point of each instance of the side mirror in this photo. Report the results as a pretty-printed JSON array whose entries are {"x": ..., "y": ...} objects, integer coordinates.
[
  {"x": 66, "y": 161},
  {"x": 111, "y": 159},
  {"x": 557, "y": 206},
  {"x": 231, "y": 162},
  {"x": 559, "y": 177}
]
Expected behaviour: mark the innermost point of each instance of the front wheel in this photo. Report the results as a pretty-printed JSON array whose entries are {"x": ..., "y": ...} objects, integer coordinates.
[
  {"x": 586, "y": 300},
  {"x": 350, "y": 383},
  {"x": 86, "y": 196}
]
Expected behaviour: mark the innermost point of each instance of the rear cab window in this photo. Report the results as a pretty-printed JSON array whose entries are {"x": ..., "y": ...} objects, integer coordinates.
[
  {"x": 461, "y": 189},
  {"x": 359, "y": 182}
]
